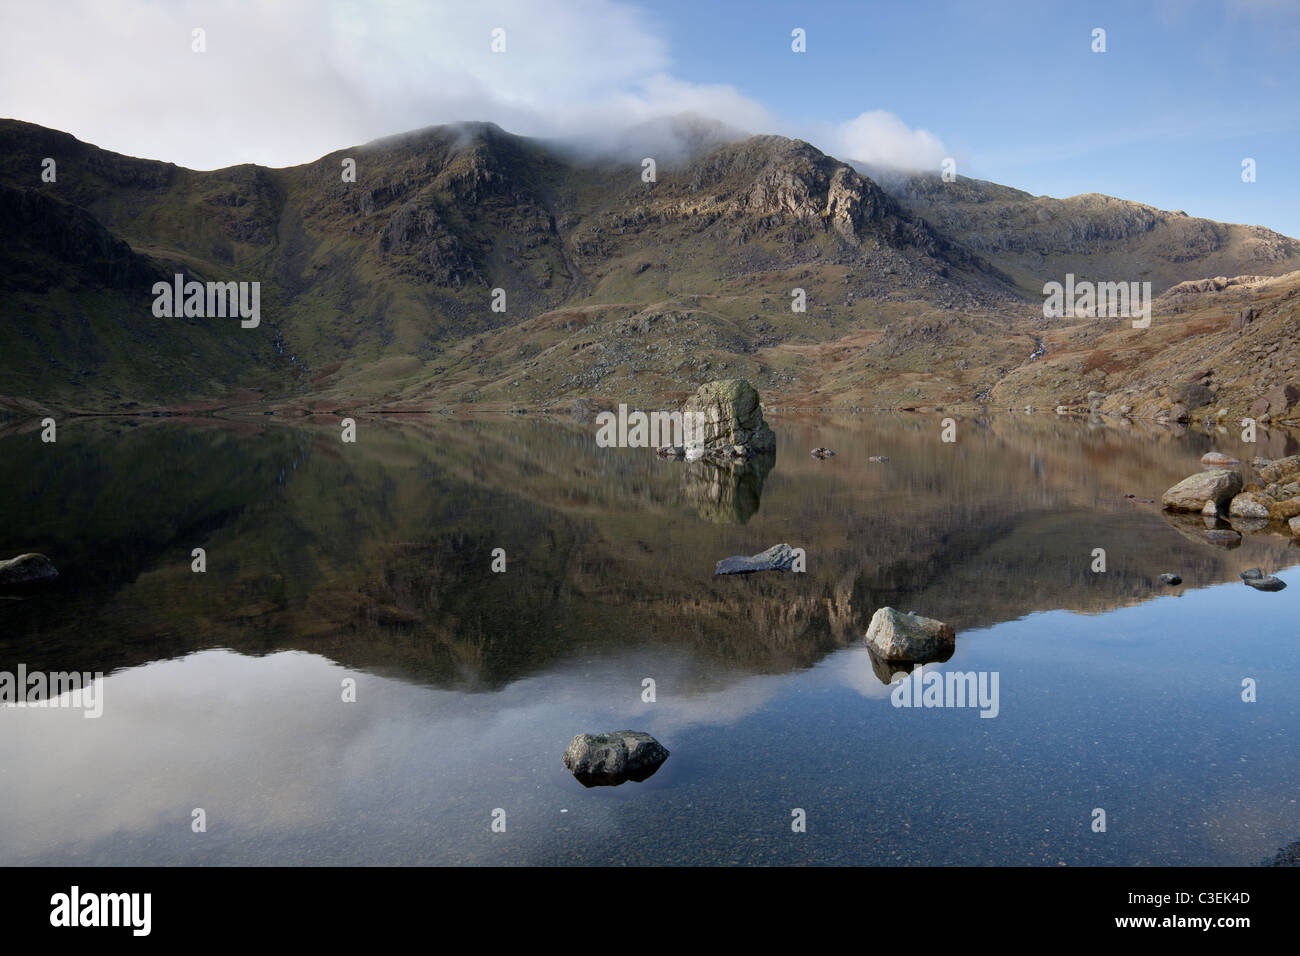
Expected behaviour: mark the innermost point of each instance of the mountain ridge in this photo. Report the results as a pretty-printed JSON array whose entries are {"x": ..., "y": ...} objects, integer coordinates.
[{"x": 381, "y": 290}]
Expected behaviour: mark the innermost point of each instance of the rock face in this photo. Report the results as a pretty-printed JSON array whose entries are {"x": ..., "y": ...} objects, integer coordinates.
[
  {"x": 27, "y": 569},
  {"x": 610, "y": 759},
  {"x": 726, "y": 416},
  {"x": 779, "y": 557},
  {"x": 1244, "y": 318},
  {"x": 1277, "y": 401},
  {"x": 895, "y": 636},
  {"x": 1192, "y": 493}
]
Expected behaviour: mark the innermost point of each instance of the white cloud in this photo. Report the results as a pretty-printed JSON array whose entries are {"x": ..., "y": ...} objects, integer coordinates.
[
  {"x": 285, "y": 83},
  {"x": 879, "y": 138}
]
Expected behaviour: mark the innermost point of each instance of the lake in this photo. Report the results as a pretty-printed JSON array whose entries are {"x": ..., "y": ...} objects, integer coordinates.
[{"x": 336, "y": 570}]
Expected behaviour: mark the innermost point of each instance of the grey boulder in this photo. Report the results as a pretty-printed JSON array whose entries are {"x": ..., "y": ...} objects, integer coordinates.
[
  {"x": 610, "y": 759},
  {"x": 1193, "y": 492},
  {"x": 1260, "y": 581},
  {"x": 725, "y": 419},
  {"x": 895, "y": 636}
]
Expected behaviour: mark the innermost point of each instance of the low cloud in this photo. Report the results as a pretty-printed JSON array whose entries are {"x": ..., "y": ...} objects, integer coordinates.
[
  {"x": 281, "y": 84},
  {"x": 879, "y": 138}
]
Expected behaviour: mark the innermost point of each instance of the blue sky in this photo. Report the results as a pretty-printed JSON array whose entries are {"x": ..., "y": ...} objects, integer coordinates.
[
  {"x": 1011, "y": 90},
  {"x": 1184, "y": 92}
]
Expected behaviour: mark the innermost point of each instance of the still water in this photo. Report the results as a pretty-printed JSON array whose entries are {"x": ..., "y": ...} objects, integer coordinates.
[{"x": 331, "y": 563}]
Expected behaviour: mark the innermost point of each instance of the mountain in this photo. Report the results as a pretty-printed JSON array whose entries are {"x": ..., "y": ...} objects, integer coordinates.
[
  {"x": 380, "y": 292},
  {"x": 1098, "y": 238}
]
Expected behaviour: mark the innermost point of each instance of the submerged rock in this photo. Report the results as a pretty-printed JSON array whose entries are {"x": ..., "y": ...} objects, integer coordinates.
[
  {"x": 1260, "y": 581},
  {"x": 877, "y": 458},
  {"x": 779, "y": 557},
  {"x": 823, "y": 453},
  {"x": 1217, "y": 459},
  {"x": 895, "y": 636},
  {"x": 1191, "y": 494},
  {"x": 726, "y": 416},
  {"x": 610, "y": 759},
  {"x": 27, "y": 569},
  {"x": 1224, "y": 537}
]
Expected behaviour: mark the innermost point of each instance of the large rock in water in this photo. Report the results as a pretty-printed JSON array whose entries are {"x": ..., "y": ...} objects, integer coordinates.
[
  {"x": 1192, "y": 493},
  {"x": 726, "y": 420},
  {"x": 610, "y": 759},
  {"x": 27, "y": 568},
  {"x": 895, "y": 636}
]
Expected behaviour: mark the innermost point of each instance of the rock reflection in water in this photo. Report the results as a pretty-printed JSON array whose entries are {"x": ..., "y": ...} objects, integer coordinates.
[{"x": 727, "y": 492}]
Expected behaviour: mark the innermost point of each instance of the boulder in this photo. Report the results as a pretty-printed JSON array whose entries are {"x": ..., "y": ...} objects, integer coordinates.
[
  {"x": 723, "y": 416},
  {"x": 1192, "y": 394},
  {"x": 611, "y": 759},
  {"x": 27, "y": 569},
  {"x": 1248, "y": 504},
  {"x": 779, "y": 557},
  {"x": 1244, "y": 318},
  {"x": 1260, "y": 581},
  {"x": 895, "y": 636},
  {"x": 1294, "y": 525},
  {"x": 1281, "y": 399},
  {"x": 1191, "y": 494},
  {"x": 1171, "y": 579},
  {"x": 823, "y": 453},
  {"x": 1278, "y": 471}
]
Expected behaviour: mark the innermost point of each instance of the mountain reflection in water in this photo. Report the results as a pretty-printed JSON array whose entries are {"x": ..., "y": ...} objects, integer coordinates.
[{"x": 374, "y": 560}]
